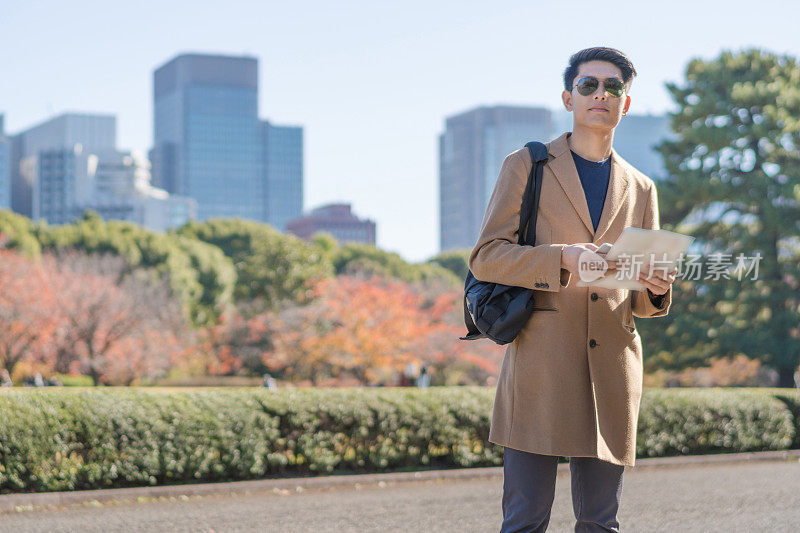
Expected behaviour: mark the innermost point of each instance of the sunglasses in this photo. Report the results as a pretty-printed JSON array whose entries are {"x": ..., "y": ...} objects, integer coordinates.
[{"x": 588, "y": 85}]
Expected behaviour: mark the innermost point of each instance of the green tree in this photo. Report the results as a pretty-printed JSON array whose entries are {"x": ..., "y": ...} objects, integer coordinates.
[
  {"x": 734, "y": 183},
  {"x": 270, "y": 266},
  {"x": 453, "y": 260},
  {"x": 325, "y": 242},
  {"x": 17, "y": 232},
  {"x": 217, "y": 277},
  {"x": 352, "y": 258},
  {"x": 140, "y": 247}
]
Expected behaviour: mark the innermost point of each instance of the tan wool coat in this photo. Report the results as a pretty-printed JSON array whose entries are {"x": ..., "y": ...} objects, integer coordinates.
[{"x": 571, "y": 382}]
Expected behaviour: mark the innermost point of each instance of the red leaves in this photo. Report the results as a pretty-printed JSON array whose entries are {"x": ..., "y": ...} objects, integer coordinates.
[
  {"x": 83, "y": 313},
  {"x": 368, "y": 330}
]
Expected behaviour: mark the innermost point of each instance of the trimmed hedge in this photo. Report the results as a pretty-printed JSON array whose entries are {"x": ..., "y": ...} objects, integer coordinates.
[
  {"x": 699, "y": 421},
  {"x": 66, "y": 439}
]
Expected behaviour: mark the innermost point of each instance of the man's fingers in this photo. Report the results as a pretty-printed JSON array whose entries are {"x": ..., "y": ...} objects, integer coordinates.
[
  {"x": 654, "y": 282},
  {"x": 659, "y": 274}
]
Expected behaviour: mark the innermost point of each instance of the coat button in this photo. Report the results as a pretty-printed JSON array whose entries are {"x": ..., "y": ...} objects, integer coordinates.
[
  {"x": 594, "y": 296},
  {"x": 592, "y": 343}
]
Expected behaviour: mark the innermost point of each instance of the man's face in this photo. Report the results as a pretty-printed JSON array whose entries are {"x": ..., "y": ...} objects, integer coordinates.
[{"x": 599, "y": 110}]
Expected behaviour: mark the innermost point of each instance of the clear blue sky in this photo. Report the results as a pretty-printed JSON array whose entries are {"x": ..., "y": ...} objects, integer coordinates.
[{"x": 371, "y": 81}]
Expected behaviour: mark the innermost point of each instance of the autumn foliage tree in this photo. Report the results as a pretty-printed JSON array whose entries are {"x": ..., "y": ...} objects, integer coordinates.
[
  {"x": 114, "y": 324},
  {"x": 27, "y": 322},
  {"x": 74, "y": 313},
  {"x": 369, "y": 328}
]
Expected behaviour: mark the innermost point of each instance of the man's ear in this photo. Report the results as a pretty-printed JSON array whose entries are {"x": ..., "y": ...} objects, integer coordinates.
[
  {"x": 566, "y": 97},
  {"x": 627, "y": 104}
]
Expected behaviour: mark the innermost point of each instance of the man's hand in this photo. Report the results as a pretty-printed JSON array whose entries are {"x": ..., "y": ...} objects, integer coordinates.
[
  {"x": 572, "y": 253},
  {"x": 655, "y": 281}
]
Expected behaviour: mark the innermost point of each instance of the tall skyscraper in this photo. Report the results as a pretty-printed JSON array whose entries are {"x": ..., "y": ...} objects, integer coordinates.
[
  {"x": 209, "y": 143},
  {"x": 635, "y": 139},
  {"x": 474, "y": 144},
  {"x": 471, "y": 152},
  {"x": 283, "y": 173},
  {"x": 5, "y": 166}
]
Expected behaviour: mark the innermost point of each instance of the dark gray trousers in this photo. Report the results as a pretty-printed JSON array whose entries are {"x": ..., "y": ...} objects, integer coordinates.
[{"x": 529, "y": 485}]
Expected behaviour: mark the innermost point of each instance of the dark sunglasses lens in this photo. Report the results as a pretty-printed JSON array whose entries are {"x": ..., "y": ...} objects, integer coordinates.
[
  {"x": 614, "y": 87},
  {"x": 587, "y": 86}
]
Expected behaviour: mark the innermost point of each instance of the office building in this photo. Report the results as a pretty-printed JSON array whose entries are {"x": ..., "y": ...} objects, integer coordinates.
[
  {"x": 5, "y": 166},
  {"x": 61, "y": 133},
  {"x": 471, "y": 152},
  {"x": 635, "y": 139},
  {"x": 70, "y": 163},
  {"x": 475, "y": 143},
  {"x": 121, "y": 190},
  {"x": 336, "y": 219},
  {"x": 210, "y": 145}
]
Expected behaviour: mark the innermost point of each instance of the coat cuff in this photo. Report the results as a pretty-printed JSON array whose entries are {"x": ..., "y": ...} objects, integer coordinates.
[
  {"x": 656, "y": 299},
  {"x": 552, "y": 277},
  {"x": 645, "y": 307}
]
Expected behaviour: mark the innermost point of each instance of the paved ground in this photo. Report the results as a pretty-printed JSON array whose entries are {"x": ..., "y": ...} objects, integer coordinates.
[{"x": 713, "y": 498}]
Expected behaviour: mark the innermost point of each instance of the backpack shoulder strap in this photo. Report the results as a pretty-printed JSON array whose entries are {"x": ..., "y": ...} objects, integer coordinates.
[{"x": 533, "y": 190}]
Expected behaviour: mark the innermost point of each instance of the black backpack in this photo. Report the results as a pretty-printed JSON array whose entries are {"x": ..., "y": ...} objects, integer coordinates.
[{"x": 495, "y": 311}]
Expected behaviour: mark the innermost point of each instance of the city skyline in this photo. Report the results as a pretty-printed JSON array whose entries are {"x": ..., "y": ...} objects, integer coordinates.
[{"x": 371, "y": 84}]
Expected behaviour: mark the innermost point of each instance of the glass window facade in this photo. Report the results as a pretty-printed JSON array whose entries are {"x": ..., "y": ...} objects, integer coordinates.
[
  {"x": 211, "y": 146},
  {"x": 56, "y": 187},
  {"x": 5, "y": 173},
  {"x": 283, "y": 174}
]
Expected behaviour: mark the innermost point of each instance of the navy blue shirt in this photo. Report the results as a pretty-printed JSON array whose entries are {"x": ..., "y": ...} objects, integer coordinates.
[{"x": 594, "y": 178}]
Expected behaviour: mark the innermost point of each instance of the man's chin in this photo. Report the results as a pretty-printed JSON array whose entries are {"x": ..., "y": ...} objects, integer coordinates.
[{"x": 605, "y": 125}]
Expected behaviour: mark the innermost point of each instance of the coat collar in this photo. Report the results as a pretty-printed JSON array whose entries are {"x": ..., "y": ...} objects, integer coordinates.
[{"x": 563, "y": 166}]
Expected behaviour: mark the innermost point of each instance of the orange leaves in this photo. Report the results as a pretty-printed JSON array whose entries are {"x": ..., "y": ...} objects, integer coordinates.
[
  {"x": 74, "y": 312},
  {"x": 26, "y": 296},
  {"x": 371, "y": 328}
]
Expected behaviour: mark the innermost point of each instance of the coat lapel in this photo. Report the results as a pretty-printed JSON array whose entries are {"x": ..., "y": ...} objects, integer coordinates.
[{"x": 563, "y": 166}]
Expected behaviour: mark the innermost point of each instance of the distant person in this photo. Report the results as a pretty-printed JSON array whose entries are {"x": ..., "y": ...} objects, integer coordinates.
[
  {"x": 410, "y": 375},
  {"x": 570, "y": 384},
  {"x": 424, "y": 379},
  {"x": 269, "y": 382}
]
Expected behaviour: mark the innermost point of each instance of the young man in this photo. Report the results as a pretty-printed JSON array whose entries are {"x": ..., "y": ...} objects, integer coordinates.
[{"x": 570, "y": 384}]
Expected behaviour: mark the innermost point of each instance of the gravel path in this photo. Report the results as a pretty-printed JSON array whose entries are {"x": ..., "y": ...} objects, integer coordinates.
[{"x": 710, "y": 498}]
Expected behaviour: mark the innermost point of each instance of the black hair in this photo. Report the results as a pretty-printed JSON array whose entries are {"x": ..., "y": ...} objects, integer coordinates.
[{"x": 599, "y": 53}]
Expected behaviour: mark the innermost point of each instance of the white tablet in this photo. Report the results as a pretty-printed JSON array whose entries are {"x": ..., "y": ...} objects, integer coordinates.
[{"x": 636, "y": 248}]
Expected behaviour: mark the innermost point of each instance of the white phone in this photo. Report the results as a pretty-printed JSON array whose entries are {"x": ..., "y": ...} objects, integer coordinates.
[{"x": 604, "y": 248}]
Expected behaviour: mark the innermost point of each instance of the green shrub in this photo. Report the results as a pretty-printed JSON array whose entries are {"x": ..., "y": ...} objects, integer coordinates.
[
  {"x": 697, "y": 421},
  {"x": 82, "y": 438},
  {"x": 69, "y": 380}
]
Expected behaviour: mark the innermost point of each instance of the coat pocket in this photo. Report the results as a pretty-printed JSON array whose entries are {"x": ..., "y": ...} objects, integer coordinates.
[
  {"x": 628, "y": 323},
  {"x": 544, "y": 301}
]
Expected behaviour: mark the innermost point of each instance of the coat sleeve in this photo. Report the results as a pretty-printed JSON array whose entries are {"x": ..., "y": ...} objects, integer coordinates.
[
  {"x": 646, "y": 304},
  {"x": 497, "y": 257}
]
